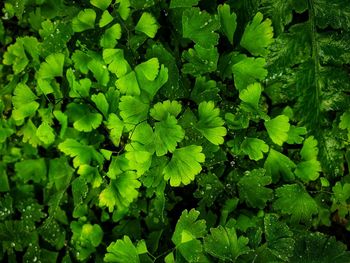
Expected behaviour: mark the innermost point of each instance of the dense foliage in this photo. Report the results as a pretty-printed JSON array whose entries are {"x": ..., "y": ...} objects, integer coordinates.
[{"x": 175, "y": 131}]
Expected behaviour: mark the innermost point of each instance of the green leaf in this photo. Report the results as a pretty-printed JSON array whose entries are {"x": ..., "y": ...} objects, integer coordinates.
[
  {"x": 277, "y": 165},
  {"x": 102, "y": 4},
  {"x": 162, "y": 110},
  {"x": 16, "y": 54},
  {"x": 224, "y": 244},
  {"x": 128, "y": 84},
  {"x": 200, "y": 60},
  {"x": 184, "y": 165},
  {"x": 133, "y": 110},
  {"x": 340, "y": 199},
  {"x": 60, "y": 173},
  {"x": 63, "y": 120},
  {"x": 124, "y": 8},
  {"x": 81, "y": 61},
  {"x": 84, "y": 120},
  {"x": 279, "y": 238},
  {"x": 252, "y": 188},
  {"x": 309, "y": 150},
  {"x": 101, "y": 103},
  {"x": 318, "y": 248},
  {"x": 116, "y": 126},
  {"x": 248, "y": 71},
  {"x": 106, "y": 18},
  {"x": 144, "y": 74},
  {"x": 53, "y": 67},
  {"x": 93, "y": 233},
  {"x": 147, "y": 25},
  {"x": 251, "y": 96},
  {"x": 278, "y": 128},
  {"x": 121, "y": 191},
  {"x": 254, "y": 148},
  {"x": 84, "y": 20},
  {"x": 293, "y": 200},
  {"x": 295, "y": 134},
  {"x": 210, "y": 124},
  {"x": 345, "y": 122},
  {"x": 167, "y": 134},
  {"x": 199, "y": 26},
  {"x": 82, "y": 154},
  {"x": 228, "y": 21},
  {"x": 183, "y": 3},
  {"x": 148, "y": 69},
  {"x": 205, "y": 91},
  {"x": 308, "y": 170},
  {"x": 111, "y": 36},
  {"x": 100, "y": 72},
  {"x": 34, "y": 170},
  {"x": 45, "y": 133},
  {"x": 187, "y": 231},
  {"x": 24, "y": 102},
  {"x": 124, "y": 251},
  {"x": 257, "y": 36},
  {"x": 117, "y": 64}
]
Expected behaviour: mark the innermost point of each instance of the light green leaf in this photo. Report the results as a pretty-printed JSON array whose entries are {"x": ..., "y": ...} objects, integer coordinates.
[
  {"x": 293, "y": 200},
  {"x": 53, "y": 67},
  {"x": 251, "y": 96},
  {"x": 167, "y": 134},
  {"x": 151, "y": 86},
  {"x": 295, "y": 134},
  {"x": 101, "y": 103},
  {"x": 84, "y": 20},
  {"x": 128, "y": 84},
  {"x": 45, "y": 133},
  {"x": 258, "y": 36},
  {"x": 84, "y": 120},
  {"x": 309, "y": 150},
  {"x": 110, "y": 37},
  {"x": 123, "y": 251},
  {"x": 147, "y": 25},
  {"x": 117, "y": 64},
  {"x": 116, "y": 126},
  {"x": 252, "y": 188},
  {"x": 184, "y": 165},
  {"x": 224, "y": 244},
  {"x": 254, "y": 148},
  {"x": 102, "y": 4},
  {"x": 210, "y": 124},
  {"x": 124, "y": 8},
  {"x": 133, "y": 110},
  {"x": 24, "y": 102},
  {"x": 162, "y": 110},
  {"x": 228, "y": 21},
  {"x": 345, "y": 121},
  {"x": 121, "y": 192},
  {"x": 308, "y": 170},
  {"x": 106, "y": 18},
  {"x": 248, "y": 71},
  {"x": 277, "y": 164},
  {"x": 148, "y": 69},
  {"x": 93, "y": 233},
  {"x": 278, "y": 128},
  {"x": 82, "y": 154},
  {"x": 187, "y": 231},
  {"x": 199, "y": 26},
  {"x": 28, "y": 132},
  {"x": 100, "y": 72}
]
